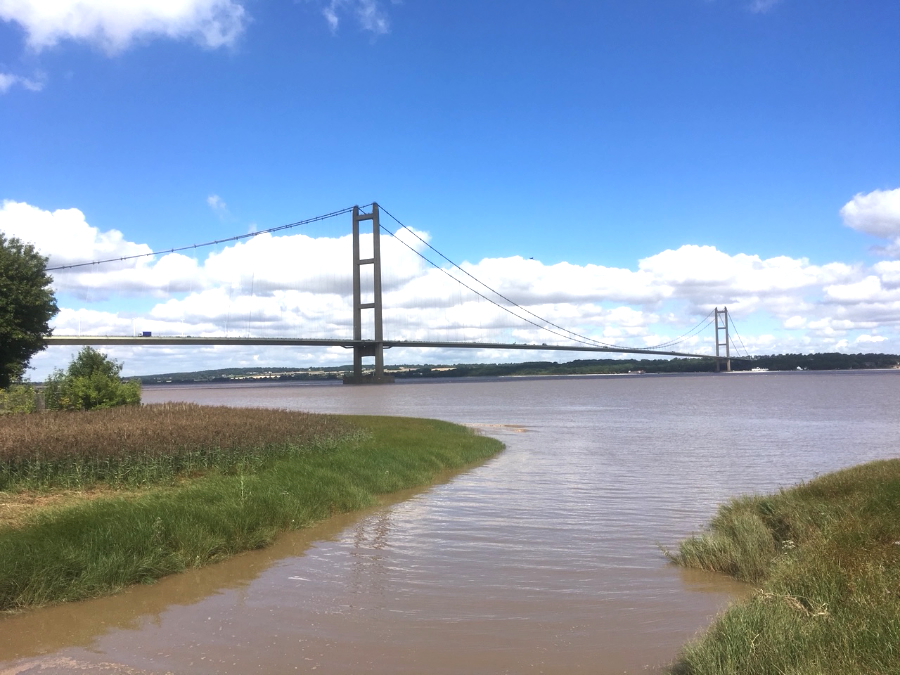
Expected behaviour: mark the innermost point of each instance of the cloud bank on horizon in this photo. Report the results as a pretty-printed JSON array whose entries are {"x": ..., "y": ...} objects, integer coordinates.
[{"x": 296, "y": 285}]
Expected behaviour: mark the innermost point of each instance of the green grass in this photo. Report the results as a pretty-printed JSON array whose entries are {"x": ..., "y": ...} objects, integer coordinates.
[
  {"x": 98, "y": 547},
  {"x": 825, "y": 556}
]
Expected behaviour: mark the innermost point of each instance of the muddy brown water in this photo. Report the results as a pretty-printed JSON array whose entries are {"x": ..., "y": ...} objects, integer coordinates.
[{"x": 544, "y": 559}]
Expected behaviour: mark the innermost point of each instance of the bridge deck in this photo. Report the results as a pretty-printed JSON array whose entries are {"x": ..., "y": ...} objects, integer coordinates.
[{"x": 124, "y": 340}]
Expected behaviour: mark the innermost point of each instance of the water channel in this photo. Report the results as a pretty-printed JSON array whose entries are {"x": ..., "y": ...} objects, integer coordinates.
[{"x": 545, "y": 559}]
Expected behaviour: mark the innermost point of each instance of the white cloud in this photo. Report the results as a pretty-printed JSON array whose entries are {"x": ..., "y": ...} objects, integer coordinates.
[
  {"x": 876, "y": 213},
  {"x": 889, "y": 272},
  {"x": 294, "y": 285},
  {"x": 64, "y": 235},
  {"x": 217, "y": 204},
  {"x": 114, "y": 25},
  {"x": 7, "y": 81},
  {"x": 369, "y": 15},
  {"x": 762, "y": 6},
  {"x": 331, "y": 17},
  {"x": 855, "y": 292},
  {"x": 862, "y": 339}
]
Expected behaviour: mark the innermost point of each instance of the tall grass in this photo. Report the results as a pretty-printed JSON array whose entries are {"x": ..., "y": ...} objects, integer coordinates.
[
  {"x": 826, "y": 558},
  {"x": 143, "y": 445},
  {"x": 100, "y": 546}
]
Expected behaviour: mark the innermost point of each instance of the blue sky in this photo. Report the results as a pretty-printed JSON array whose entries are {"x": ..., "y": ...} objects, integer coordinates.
[{"x": 655, "y": 158}]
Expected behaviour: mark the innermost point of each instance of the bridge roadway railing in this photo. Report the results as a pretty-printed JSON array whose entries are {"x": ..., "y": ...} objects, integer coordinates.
[{"x": 124, "y": 340}]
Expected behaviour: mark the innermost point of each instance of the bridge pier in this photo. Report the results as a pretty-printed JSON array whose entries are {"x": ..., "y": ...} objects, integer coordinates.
[
  {"x": 722, "y": 325},
  {"x": 376, "y": 346}
]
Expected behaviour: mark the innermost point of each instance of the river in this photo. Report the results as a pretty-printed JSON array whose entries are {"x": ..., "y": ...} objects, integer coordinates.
[{"x": 545, "y": 559}]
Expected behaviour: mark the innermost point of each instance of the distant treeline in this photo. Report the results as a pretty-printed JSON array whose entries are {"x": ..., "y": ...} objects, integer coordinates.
[
  {"x": 830, "y": 361},
  {"x": 247, "y": 374}
]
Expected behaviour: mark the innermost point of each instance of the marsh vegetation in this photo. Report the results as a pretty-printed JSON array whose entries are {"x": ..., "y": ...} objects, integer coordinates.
[
  {"x": 825, "y": 556},
  {"x": 176, "y": 486}
]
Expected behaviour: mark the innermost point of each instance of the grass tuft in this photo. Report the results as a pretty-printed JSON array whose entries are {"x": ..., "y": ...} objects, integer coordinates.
[{"x": 826, "y": 557}]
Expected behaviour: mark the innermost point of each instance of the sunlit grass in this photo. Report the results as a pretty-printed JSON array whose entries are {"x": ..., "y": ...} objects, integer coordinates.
[{"x": 826, "y": 557}]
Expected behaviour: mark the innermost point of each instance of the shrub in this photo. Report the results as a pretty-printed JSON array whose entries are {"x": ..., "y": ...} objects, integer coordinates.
[
  {"x": 18, "y": 398},
  {"x": 91, "y": 381}
]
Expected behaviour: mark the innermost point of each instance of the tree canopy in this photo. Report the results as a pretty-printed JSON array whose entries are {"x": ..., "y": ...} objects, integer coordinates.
[
  {"x": 91, "y": 381},
  {"x": 27, "y": 304}
]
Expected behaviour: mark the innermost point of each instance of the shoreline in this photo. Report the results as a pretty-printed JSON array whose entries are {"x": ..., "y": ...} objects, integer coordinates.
[
  {"x": 480, "y": 379},
  {"x": 93, "y": 548}
]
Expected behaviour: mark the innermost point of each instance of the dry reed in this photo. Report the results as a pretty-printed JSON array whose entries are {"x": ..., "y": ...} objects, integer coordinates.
[{"x": 136, "y": 445}]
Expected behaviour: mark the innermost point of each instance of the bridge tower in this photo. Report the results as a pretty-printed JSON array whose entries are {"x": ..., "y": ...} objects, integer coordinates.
[
  {"x": 722, "y": 325},
  {"x": 369, "y": 347}
]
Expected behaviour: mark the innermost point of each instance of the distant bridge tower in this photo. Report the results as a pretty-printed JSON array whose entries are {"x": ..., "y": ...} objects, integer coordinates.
[
  {"x": 373, "y": 347},
  {"x": 722, "y": 325}
]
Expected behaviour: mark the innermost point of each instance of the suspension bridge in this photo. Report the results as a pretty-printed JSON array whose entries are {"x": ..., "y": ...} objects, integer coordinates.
[{"x": 368, "y": 323}]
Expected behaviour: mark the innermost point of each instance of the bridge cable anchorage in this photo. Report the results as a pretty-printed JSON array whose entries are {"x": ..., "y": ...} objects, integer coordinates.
[
  {"x": 279, "y": 228},
  {"x": 583, "y": 339}
]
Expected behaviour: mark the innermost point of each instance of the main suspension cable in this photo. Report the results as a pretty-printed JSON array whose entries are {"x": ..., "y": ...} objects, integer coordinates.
[
  {"x": 571, "y": 335},
  {"x": 579, "y": 338},
  {"x": 703, "y": 323},
  {"x": 482, "y": 295},
  {"x": 238, "y": 237}
]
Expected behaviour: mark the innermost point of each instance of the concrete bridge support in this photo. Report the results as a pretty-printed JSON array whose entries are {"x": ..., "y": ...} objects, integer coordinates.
[
  {"x": 375, "y": 347},
  {"x": 722, "y": 325}
]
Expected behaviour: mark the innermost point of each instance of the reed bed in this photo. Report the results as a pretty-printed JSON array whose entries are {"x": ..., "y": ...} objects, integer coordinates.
[
  {"x": 97, "y": 547},
  {"x": 825, "y": 556},
  {"x": 151, "y": 444}
]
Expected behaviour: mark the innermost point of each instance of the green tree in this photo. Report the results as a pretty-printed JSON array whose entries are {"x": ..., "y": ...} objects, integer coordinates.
[
  {"x": 26, "y": 306},
  {"x": 91, "y": 381}
]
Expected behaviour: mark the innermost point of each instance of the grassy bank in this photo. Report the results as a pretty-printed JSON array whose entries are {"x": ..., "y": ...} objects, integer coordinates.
[
  {"x": 134, "y": 532},
  {"x": 826, "y": 558}
]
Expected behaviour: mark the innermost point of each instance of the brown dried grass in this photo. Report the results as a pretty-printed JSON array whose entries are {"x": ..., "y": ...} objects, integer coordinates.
[{"x": 135, "y": 445}]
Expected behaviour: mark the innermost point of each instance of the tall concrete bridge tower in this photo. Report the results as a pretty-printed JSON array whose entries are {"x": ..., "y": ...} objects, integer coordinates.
[{"x": 375, "y": 345}]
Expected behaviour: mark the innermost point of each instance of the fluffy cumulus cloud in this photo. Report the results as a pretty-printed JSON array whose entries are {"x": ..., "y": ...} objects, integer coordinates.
[
  {"x": 114, "y": 25},
  {"x": 64, "y": 235},
  {"x": 293, "y": 285},
  {"x": 876, "y": 213}
]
